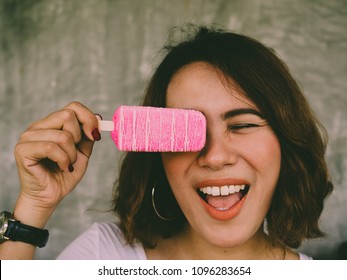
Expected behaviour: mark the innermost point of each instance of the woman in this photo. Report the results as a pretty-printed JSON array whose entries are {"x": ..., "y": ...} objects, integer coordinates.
[{"x": 255, "y": 191}]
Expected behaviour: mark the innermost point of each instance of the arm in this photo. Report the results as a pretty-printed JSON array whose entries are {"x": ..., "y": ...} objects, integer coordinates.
[{"x": 52, "y": 156}]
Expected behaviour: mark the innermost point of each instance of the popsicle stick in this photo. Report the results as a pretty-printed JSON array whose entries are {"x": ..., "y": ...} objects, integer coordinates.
[{"x": 106, "y": 125}]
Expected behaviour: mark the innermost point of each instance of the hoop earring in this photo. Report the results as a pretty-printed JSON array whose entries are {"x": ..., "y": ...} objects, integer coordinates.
[{"x": 155, "y": 208}]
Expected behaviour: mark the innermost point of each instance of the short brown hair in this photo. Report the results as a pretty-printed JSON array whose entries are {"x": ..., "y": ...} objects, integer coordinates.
[{"x": 303, "y": 182}]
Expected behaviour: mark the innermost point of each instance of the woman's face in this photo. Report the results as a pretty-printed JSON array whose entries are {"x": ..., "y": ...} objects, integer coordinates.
[{"x": 225, "y": 190}]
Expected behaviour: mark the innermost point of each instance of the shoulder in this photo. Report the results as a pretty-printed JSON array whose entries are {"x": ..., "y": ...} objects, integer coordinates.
[{"x": 102, "y": 241}]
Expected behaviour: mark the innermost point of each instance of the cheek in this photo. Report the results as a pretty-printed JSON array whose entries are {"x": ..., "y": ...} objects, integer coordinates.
[
  {"x": 265, "y": 155},
  {"x": 175, "y": 165},
  {"x": 270, "y": 153}
]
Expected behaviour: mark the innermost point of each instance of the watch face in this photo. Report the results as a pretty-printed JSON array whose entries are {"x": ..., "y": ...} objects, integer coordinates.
[{"x": 3, "y": 224}]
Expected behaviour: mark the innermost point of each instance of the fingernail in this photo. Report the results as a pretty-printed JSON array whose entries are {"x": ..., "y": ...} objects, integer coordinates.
[
  {"x": 98, "y": 115},
  {"x": 96, "y": 134},
  {"x": 71, "y": 169}
]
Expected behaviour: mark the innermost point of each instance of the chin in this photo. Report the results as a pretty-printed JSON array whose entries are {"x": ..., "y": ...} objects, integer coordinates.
[{"x": 227, "y": 238}]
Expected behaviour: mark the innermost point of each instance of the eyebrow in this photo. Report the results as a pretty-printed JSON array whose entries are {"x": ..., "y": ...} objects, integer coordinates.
[{"x": 241, "y": 111}]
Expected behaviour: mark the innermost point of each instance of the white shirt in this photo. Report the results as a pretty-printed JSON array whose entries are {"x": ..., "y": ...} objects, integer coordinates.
[{"x": 105, "y": 241}]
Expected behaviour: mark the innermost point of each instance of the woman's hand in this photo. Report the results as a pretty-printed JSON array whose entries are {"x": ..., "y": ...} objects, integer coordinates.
[{"x": 52, "y": 156}]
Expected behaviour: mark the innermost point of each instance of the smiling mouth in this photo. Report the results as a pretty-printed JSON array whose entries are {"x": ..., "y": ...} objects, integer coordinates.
[{"x": 223, "y": 198}]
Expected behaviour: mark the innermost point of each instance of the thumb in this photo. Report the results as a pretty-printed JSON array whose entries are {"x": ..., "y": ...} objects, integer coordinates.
[
  {"x": 85, "y": 148},
  {"x": 86, "y": 145}
]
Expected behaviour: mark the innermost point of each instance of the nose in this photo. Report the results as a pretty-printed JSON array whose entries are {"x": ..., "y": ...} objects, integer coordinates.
[{"x": 218, "y": 151}]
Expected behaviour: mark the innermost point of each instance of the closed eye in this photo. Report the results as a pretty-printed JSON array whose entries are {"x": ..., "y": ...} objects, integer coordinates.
[{"x": 244, "y": 126}]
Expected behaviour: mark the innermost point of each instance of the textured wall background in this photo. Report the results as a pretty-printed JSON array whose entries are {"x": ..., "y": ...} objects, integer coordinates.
[{"x": 102, "y": 52}]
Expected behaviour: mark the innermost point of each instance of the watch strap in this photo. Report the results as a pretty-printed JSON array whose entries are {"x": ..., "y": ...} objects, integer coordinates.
[{"x": 17, "y": 231}]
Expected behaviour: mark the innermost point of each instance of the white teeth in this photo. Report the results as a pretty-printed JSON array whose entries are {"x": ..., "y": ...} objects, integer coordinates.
[
  {"x": 223, "y": 190},
  {"x": 215, "y": 191},
  {"x": 232, "y": 189}
]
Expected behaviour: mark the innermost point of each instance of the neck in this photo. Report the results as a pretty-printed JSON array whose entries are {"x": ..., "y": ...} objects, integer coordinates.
[{"x": 189, "y": 245}]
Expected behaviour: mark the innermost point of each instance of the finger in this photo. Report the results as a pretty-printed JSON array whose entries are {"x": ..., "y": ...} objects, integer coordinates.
[
  {"x": 87, "y": 119},
  {"x": 65, "y": 120},
  {"x": 64, "y": 139},
  {"x": 30, "y": 154},
  {"x": 72, "y": 118},
  {"x": 86, "y": 146}
]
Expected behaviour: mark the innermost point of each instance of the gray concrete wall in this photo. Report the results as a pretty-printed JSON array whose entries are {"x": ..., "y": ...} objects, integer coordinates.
[{"x": 102, "y": 53}]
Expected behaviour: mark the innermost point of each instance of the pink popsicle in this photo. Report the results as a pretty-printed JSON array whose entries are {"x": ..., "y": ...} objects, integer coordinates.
[{"x": 153, "y": 129}]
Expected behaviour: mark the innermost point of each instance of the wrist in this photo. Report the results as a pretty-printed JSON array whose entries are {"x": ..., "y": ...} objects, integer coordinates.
[{"x": 30, "y": 213}]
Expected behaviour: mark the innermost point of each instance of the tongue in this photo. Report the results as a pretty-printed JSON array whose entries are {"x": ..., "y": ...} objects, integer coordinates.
[{"x": 224, "y": 202}]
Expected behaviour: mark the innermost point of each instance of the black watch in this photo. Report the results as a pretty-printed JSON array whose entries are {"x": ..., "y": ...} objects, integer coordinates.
[{"x": 14, "y": 230}]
